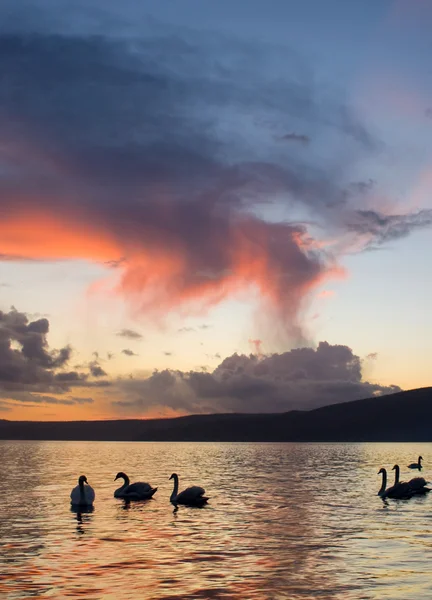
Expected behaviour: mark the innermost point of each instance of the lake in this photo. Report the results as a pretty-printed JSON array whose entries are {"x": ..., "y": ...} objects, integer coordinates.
[{"x": 287, "y": 521}]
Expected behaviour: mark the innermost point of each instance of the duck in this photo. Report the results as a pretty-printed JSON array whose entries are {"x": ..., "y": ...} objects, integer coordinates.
[
  {"x": 82, "y": 494},
  {"x": 133, "y": 491},
  {"x": 416, "y": 465},
  {"x": 191, "y": 496},
  {"x": 400, "y": 491}
]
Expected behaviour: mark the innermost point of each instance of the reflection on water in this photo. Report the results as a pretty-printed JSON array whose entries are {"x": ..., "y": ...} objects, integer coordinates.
[{"x": 284, "y": 521}]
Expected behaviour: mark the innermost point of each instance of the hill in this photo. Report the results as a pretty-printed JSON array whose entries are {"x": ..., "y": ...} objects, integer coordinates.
[{"x": 405, "y": 416}]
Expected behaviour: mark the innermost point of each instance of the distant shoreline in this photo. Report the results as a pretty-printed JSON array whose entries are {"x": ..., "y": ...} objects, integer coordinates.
[{"x": 400, "y": 417}]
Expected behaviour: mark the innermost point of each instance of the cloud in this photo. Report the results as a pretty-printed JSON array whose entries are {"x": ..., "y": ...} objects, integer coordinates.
[
  {"x": 377, "y": 228},
  {"x": 129, "y": 352},
  {"x": 125, "y": 161},
  {"x": 96, "y": 370},
  {"x": 296, "y": 137},
  {"x": 168, "y": 353},
  {"x": 130, "y": 334},
  {"x": 186, "y": 329},
  {"x": 302, "y": 378},
  {"x": 29, "y": 369},
  {"x": 154, "y": 155},
  {"x": 29, "y": 398},
  {"x": 256, "y": 346},
  {"x": 25, "y": 357}
]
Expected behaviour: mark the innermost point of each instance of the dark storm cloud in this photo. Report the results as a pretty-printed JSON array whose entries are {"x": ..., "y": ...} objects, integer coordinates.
[
  {"x": 303, "y": 378},
  {"x": 129, "y": 334}
]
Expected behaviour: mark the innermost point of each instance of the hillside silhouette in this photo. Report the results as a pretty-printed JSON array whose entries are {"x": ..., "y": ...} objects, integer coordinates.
[{"x": 401, "y": 417}]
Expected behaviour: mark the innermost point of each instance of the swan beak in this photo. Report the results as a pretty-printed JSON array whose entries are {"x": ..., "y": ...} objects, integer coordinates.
[{"x": 169, "y": 477}]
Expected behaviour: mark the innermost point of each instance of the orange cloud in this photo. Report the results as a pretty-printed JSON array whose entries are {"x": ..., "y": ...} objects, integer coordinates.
[
  {"x": 160, "y": 272},
  {"x": 326, "y": 294}
]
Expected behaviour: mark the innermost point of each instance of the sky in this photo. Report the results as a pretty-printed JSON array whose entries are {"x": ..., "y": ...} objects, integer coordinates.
[{"x": 212, "y": 206}]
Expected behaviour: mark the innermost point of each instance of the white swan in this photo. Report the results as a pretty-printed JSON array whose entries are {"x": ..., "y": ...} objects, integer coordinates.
[
  {"x": 400, "y": 491},
  {"x": 416, "y": 465},
  {"x": 417, "y": 484},
  {"x": 192, "y": 496},
  {"x": 82, "y": 495},
  {"x": 133, "y": 491}
]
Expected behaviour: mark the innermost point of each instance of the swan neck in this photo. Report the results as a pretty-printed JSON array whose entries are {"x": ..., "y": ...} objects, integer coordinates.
[
  {"x": 126, "y": 480},
  {"x": 384, "y": 483},
  {"x": 396, "y": 475},
  {"x": 175, "y": 490}
]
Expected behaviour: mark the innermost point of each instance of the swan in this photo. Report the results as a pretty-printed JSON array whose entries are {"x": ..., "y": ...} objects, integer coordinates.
[
  {"x": 417, "y": 484},
  {"x": 416, "y": 465},
  {"x": 192, "y": 496},
  {"x": 82, "y": 495},
  {"x": 133, "y": 491},
  {"x": 399, "y": 491}
]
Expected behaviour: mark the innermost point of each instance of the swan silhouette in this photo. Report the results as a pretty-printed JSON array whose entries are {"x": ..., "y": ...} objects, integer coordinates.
[
  {"x": 417, "y": 484},
  {"x": 82, "y": 495},
  {"x": 416, "y": 465},
  {"x": 133, "y": 491},
  {"x": 400, "y": 491},
  {"x": 191, "y": 496}
]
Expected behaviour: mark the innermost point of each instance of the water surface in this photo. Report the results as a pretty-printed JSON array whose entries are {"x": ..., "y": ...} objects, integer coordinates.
[{"x": 287, "y": 521}]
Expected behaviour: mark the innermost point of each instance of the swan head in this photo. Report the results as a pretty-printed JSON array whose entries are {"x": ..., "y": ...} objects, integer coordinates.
[
  {"x": 395, "y": 467},
  {"x": 120, "y": 475},
  {"x": 174, "y": 476},
  {"x": 82, "y": 480},
  {"x": 420, "y": 458},
  {"x": 381, "y": 471}
]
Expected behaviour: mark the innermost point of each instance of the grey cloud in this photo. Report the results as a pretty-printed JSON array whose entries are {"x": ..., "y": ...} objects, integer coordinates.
[
  {"x": 382, "y": 228},
  {"x": 296, "y": 137},
  {"x": 303, "y": 378},
  {"x": 35, "y": 398},
  {"x": 129, "y": 334},
  {"x": 96, "y": 370},
  {"x": 24, "y": 354},
  {"x": 29, "y": 366},
  {"x": 129, "y": 352}
]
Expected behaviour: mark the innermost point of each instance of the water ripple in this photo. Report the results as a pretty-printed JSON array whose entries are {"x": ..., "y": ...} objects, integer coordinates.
[{"x": 294, "y": 521}]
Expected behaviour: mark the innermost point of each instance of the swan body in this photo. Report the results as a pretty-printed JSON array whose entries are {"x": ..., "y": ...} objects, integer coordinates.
[
  {"x": 83, "y": 494},
  {"x": 133, "y": 491},
  {"x": 399, "y": 491},
  {"x": 417, "y": 484},
  {"x": 416, "y": 465},
  {"x": 191, "y": 496}
]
